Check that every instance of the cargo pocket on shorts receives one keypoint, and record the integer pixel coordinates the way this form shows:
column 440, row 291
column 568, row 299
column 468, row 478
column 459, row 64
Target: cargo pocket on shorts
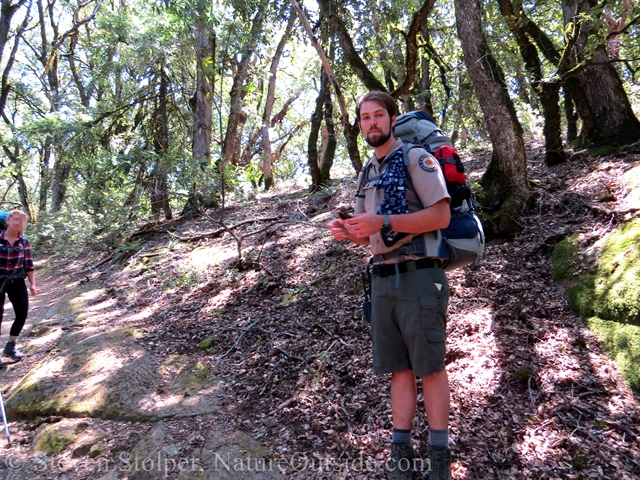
column 433, row 312
column 436, row 348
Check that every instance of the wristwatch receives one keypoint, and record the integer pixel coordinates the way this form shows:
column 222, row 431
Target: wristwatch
column 386, row 224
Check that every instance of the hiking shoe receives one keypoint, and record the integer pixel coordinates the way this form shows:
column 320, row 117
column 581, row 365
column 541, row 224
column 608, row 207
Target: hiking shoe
column 12, row 352
column 402, row 461
column 439, row 463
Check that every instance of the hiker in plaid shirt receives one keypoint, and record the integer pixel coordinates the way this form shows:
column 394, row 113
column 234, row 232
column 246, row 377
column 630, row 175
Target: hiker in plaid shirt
column 16, row 263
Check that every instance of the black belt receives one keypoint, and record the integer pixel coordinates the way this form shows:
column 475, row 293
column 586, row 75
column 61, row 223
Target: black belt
column 387, row 269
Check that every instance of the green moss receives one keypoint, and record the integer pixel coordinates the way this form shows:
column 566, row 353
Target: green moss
column 622, row 342
column 562, row 259
column 522, row 374
column 53, row 440
column 97, row 450
column 201, row 374
column 206, row 344
column 579, row 462
column 607, row 294
column 603, row 151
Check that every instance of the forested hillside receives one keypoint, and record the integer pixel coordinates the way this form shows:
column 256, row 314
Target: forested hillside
column 121, row 112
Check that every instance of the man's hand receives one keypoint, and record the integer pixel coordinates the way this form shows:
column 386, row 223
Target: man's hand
column 34, row 289
column 363, row 225
column 338, row 230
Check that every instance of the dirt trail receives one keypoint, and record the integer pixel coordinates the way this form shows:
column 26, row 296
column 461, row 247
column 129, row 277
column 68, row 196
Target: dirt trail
column 91, row 400
column 41, row 307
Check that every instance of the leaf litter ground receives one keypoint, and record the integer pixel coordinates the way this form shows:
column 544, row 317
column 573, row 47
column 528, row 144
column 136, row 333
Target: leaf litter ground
column 533, row 394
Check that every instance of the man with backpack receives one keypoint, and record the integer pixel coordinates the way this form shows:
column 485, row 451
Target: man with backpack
column 410, row 292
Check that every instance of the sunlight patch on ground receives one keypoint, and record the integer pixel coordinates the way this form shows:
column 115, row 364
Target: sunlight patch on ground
column 142, row 315
column 535, row 443
column 51, row 336
column 49, row 369
column 111, row 302
column 479, row 369
column 89, row 295
column 100, row 316
column 89, row 393
column 207, row 256
column 221, row 299
column 156, row 402
column 562, row 341
column 632, row 178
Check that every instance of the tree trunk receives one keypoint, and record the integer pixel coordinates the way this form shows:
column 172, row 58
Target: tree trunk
column 203, row 104
column 59, row 183
column 571, row 116
column 505, row 181
column 160, row 193
column 607, row 116
column 314, row 130
column 229, row 145
column 268, row 156
column 45, row 174
column 350, row 131
column 329, row 151
column 549, row 96
column 547, row 92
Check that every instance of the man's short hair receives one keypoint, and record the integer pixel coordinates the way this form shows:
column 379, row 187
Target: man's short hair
column 383, row 98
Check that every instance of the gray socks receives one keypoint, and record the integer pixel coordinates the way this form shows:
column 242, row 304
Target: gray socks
column 439, row 439
column 401, row 436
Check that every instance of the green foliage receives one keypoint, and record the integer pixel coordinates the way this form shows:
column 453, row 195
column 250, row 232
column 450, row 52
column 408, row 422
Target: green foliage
column 206, row 344
column 293, row 295
column 603, row 151
column 183, row 278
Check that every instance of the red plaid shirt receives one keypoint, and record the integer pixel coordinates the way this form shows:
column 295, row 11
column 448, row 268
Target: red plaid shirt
column 14, row 257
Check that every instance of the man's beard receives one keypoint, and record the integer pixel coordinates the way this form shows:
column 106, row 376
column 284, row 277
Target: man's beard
column 377, row 141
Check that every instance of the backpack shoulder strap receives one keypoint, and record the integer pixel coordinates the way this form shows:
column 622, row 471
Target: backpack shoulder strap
column 405, row 157
column 364, row 178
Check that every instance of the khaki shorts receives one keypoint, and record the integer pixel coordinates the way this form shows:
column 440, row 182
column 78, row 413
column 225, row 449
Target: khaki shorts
column 409, row 319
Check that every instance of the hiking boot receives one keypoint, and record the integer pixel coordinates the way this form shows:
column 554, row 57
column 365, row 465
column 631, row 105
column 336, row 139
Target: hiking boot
column 12, row 352
column 439, row 463
column 402, row 461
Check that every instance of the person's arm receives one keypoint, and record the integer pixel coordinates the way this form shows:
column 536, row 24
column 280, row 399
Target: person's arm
column 31, row 275
column 30, row 269
column 429, row 219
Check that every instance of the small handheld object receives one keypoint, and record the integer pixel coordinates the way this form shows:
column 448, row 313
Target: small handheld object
column 343, row 213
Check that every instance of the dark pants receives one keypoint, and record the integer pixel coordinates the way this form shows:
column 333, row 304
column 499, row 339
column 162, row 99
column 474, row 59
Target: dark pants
column 19, row 298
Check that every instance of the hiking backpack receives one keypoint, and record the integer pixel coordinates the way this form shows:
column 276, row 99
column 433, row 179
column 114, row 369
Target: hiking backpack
column 463, row 240
column 3, row 220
